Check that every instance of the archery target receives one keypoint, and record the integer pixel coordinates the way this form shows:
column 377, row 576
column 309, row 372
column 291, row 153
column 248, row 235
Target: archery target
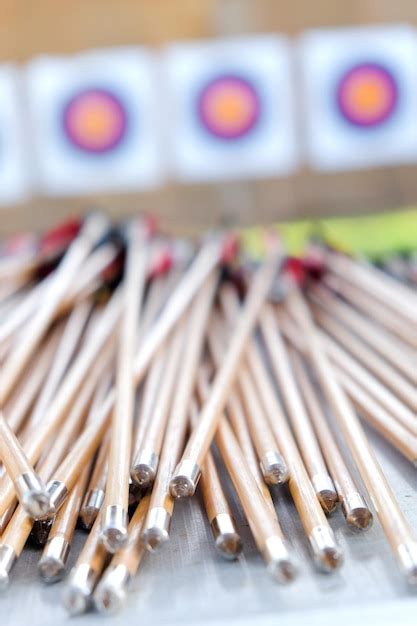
column 360, row 96
column 367, row 95
column 14, row 176
column 95, row 121
column 231, row 109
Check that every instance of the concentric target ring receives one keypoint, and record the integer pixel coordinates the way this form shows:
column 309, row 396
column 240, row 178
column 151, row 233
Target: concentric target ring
column 367, row 95
column 228, row 107
column 95, row 121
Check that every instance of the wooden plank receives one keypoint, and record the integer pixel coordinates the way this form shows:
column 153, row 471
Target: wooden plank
column 27, row 28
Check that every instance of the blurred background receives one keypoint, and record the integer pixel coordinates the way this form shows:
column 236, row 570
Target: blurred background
column 29, row 29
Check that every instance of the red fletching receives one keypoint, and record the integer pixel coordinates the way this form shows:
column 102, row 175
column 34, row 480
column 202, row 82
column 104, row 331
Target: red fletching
column 56, row 240
column 114, row 268
column 311, row 266
column 295, row 267
column 230, row 250
column 314, row 266
column 161, row 263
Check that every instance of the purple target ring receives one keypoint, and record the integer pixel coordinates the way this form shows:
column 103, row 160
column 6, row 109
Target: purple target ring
column 228, row 107
column 367, row 95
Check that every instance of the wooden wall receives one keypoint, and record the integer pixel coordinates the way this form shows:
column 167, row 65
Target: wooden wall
column 29, row 27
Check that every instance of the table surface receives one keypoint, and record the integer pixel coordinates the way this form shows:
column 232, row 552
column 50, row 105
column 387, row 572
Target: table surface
column 188, row 583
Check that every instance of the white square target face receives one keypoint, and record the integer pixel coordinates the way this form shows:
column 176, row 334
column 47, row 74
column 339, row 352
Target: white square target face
column 360, row 96
column 14, row 180
column 230, row 109
column 95, row 121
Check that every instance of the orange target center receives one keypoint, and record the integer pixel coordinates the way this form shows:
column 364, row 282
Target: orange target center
column 93, row 120
column 367, row 95
column 229, row 107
